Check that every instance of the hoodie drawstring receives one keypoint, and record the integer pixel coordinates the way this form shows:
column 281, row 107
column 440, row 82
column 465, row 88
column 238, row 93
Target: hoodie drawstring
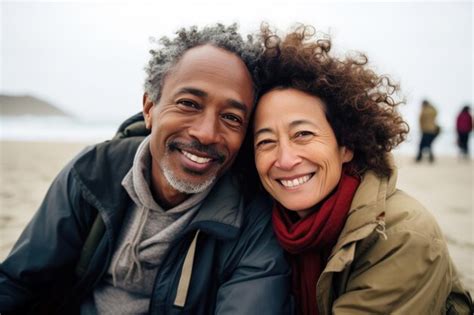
column 186, row 272
column 132, row 245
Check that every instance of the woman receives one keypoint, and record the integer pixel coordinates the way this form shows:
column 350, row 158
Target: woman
column 323, row 131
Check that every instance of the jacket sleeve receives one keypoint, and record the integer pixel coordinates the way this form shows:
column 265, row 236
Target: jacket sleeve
column 408, row 273
column 260, row 282
column 47, row 249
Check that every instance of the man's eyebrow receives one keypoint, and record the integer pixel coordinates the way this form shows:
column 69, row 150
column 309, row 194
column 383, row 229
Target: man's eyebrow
column 262, row 130
column 238, row 105
column 200, row 93
column 193, row 91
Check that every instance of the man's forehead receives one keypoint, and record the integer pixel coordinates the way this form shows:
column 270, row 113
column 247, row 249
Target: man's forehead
column 209, row 68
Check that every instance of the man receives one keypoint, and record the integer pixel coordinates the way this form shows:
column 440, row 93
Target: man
column 177, row 238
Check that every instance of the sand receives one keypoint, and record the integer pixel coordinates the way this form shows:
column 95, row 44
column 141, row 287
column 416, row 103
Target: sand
column 445, row 188
column 27, row 170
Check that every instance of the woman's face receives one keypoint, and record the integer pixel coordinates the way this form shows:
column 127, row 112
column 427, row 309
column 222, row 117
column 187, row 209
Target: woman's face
column 296, row 153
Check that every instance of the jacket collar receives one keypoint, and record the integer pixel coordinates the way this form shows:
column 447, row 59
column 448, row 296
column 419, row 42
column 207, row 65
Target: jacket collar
column 368, row 206
column 221, row 213
column 365, row 216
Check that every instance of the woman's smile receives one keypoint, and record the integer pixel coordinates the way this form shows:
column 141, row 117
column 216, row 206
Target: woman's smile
column 295, row 182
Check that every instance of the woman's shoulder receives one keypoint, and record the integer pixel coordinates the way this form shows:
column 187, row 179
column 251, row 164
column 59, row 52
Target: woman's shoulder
column 407, row 232
column 405, row 215
column 405, row 261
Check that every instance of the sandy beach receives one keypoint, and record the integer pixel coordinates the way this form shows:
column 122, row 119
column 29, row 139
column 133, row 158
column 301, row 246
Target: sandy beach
column 445, row 188
column 27, row 170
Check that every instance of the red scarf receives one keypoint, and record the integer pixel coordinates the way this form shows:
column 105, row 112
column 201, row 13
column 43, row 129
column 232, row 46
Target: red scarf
column 309, row 241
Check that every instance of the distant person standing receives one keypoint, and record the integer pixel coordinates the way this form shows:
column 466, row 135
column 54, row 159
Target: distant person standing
column 464, row 128
column 429, row 130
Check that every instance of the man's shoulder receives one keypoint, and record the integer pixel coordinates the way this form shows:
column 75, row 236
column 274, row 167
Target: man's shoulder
column 260, row 206
column 100, row 169
column 258, row 212
column 112, row 149
column 108, row 156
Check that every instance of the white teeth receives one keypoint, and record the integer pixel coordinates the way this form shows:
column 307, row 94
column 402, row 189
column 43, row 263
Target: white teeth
column 195, row 158
column 295, row 182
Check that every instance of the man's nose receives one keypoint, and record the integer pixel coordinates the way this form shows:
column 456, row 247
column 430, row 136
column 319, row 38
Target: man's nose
column 287, row 157
column 205, row 130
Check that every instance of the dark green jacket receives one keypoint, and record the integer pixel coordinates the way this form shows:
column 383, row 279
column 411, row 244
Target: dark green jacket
column 237, row 267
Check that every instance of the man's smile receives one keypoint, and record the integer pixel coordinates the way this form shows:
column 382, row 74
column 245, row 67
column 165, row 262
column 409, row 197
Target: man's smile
column 197, row 162
column 195, row 158
column 197, row 152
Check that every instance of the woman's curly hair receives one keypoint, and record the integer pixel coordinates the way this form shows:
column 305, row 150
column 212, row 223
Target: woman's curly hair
column 360, row 105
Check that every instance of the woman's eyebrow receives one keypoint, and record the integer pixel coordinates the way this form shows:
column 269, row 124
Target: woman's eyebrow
column 293, row 124
column 263, row 130
column 298, row 122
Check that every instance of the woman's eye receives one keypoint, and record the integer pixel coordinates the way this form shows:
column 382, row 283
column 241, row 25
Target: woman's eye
column 303, row 134
column 188, row 103
column 263, row 142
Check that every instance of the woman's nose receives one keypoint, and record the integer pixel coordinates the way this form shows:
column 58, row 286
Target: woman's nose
column 287, row 157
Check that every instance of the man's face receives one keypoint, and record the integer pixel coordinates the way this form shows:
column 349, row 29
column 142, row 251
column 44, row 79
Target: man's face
column 199, row 122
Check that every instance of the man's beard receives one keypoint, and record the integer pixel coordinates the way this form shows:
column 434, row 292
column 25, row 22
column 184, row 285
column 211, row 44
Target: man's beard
column 182, row 185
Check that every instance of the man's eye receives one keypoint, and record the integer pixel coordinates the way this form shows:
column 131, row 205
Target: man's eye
column 188, row 103
column 234, row 119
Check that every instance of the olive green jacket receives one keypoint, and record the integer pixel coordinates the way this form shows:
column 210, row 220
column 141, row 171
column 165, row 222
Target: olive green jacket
column 391, row 258
column 428, row 119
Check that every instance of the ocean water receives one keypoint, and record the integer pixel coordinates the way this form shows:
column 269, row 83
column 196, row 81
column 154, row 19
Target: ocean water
column 27, row 128
column 64, row 129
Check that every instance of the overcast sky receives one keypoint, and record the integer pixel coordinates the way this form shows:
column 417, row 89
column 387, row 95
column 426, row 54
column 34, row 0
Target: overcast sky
column 88, row 57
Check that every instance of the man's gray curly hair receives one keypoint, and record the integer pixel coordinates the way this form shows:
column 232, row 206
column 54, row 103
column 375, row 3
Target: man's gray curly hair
column 171, row 50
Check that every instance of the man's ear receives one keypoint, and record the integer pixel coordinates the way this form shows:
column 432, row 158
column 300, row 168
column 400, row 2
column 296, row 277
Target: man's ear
column 346, row 154
column 147, row 106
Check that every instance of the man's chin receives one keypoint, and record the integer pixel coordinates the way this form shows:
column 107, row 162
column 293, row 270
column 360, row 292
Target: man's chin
column 189, row 183
column 194, row 175
column 189, row 179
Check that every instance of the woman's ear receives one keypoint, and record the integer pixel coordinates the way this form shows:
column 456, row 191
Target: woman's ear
column 147, row 106
column 346, row 154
